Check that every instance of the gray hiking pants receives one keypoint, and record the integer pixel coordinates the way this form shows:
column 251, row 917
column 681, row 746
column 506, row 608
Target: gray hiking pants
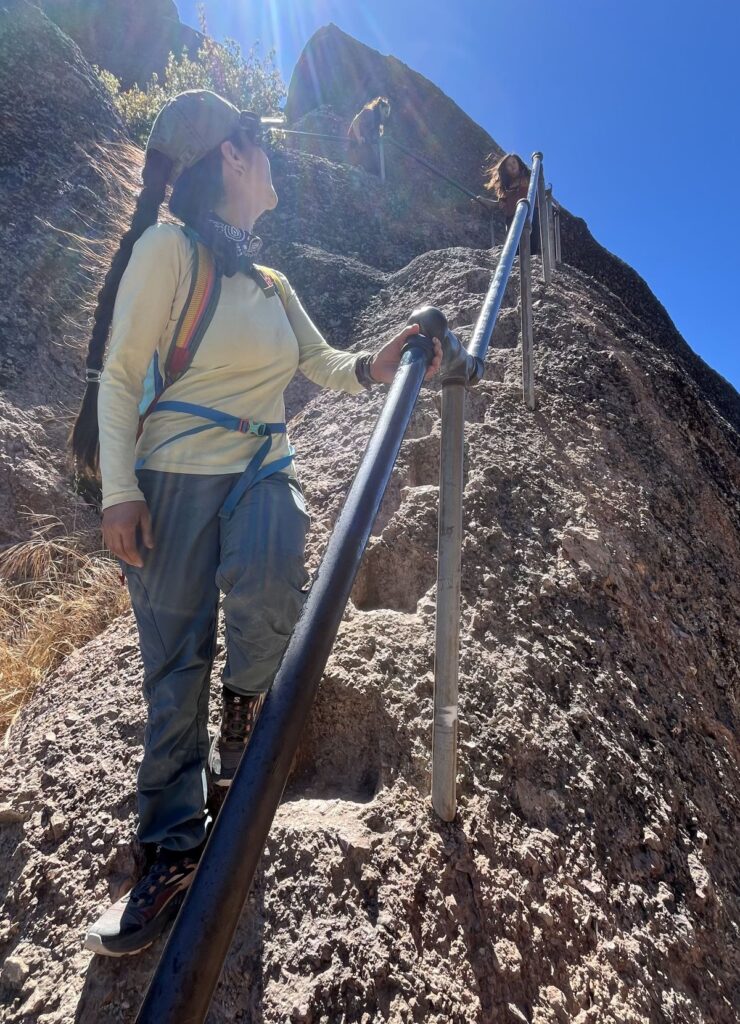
column 256, row 559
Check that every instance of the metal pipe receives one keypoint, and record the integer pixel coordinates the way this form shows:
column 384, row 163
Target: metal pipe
column 447, row 630
column 311, row 135
column 558, row 249
column 551, row 223
column 381, row 157
column 494, row 297
column 183, row 984
column 525, row 291
column 435, row 170
column 534, row 178
column 544, row 228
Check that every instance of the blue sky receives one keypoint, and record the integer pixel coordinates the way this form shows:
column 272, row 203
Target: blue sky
column 634, row 104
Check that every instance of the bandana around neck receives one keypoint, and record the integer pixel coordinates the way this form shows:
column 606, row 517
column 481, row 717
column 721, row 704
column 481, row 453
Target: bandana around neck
column 234, row 249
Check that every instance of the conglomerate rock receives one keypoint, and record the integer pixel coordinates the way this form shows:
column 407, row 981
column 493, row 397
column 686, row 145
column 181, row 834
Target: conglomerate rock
column 591, row 874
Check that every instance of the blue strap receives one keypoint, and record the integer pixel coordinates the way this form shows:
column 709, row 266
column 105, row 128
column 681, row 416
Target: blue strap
column 185, row 433
column 254, row 471
column 217, row 418
column 221, row 419
column 252, row 475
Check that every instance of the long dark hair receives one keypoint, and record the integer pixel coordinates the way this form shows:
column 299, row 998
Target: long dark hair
column 198, row 189
column 500, row 179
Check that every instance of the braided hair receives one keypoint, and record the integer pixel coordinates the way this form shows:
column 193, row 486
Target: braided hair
column 156, row 172
column 197, row 190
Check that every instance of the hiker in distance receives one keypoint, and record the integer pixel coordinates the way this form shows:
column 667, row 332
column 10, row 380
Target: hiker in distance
column 508, row 180
column 200, row 496
column 364, row 132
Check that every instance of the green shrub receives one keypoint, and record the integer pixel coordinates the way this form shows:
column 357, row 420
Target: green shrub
column 248, row 80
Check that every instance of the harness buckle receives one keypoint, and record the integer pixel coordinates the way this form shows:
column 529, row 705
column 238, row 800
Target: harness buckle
column 260, row 429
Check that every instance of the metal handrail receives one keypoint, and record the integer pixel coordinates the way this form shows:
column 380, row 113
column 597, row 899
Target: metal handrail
column 380, row 143
column 311, row 135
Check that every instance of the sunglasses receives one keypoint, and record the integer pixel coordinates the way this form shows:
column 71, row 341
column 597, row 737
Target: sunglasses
column 255, row 127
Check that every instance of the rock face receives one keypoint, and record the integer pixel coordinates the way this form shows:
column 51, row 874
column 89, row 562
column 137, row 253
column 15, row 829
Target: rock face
column 591, row 875
column 337, row 70
column 131, row 38
column 56, row 180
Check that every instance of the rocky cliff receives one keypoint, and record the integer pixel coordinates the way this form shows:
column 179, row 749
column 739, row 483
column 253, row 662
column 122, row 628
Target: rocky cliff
column 131, row 38
column 591, row 875
column 61, row 149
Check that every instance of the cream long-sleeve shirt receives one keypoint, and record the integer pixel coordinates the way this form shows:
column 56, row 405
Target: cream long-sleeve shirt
column 252, row 348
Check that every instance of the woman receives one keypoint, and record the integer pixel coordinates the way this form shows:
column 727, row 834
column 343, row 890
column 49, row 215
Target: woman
column 206, row 500
column 365, row 131
column 509, row 181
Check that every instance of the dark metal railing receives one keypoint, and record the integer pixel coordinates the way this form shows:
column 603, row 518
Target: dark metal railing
column 380, row 144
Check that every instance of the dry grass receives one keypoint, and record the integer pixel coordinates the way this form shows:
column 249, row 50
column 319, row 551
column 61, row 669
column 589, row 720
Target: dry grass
column 56, row 593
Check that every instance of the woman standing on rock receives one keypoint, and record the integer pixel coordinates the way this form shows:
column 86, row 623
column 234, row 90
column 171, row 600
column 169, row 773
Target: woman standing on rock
column 200, row 496
column 364, row 133
column 509, row 181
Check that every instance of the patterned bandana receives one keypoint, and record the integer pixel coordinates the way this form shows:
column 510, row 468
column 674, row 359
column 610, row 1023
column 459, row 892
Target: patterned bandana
column 234, row 248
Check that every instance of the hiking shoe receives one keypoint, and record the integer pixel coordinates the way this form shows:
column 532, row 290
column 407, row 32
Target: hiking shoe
column 238, row 719
column 138, row 918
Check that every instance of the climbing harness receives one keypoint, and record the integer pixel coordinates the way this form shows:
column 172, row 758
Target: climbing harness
column 196, row 315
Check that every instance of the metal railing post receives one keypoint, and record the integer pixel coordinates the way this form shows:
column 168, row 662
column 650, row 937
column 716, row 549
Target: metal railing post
column 493, row 232
column 544, row 228
column 525, row 290
column 558, row 249
column 551, row 222
column 459, row 368
column 381, row 157
column 447, row 628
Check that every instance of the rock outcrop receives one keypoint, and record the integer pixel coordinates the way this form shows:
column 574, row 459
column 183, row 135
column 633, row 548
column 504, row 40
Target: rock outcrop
column 131, row 38
column 591, row 875
column 58, row 153
column 338, row 71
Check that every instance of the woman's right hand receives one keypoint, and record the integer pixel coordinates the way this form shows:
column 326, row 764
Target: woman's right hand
column 120, row 525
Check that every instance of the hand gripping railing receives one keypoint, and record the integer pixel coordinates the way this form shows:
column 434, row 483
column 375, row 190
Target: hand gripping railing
column 182, row 986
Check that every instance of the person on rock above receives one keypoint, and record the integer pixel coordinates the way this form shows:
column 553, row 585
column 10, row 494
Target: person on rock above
column 509, row 181
column 200, row 495
column 364, row 132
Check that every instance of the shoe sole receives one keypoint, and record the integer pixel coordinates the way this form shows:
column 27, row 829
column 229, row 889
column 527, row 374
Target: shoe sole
column 95, row 943
column 140, row 940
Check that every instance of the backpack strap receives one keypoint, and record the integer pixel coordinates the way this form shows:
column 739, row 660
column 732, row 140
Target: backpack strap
column 197, row 313
column 271, row 282
column 195, row 316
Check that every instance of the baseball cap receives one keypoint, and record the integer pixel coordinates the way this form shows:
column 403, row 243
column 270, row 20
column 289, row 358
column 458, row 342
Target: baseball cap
column 194, row 122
